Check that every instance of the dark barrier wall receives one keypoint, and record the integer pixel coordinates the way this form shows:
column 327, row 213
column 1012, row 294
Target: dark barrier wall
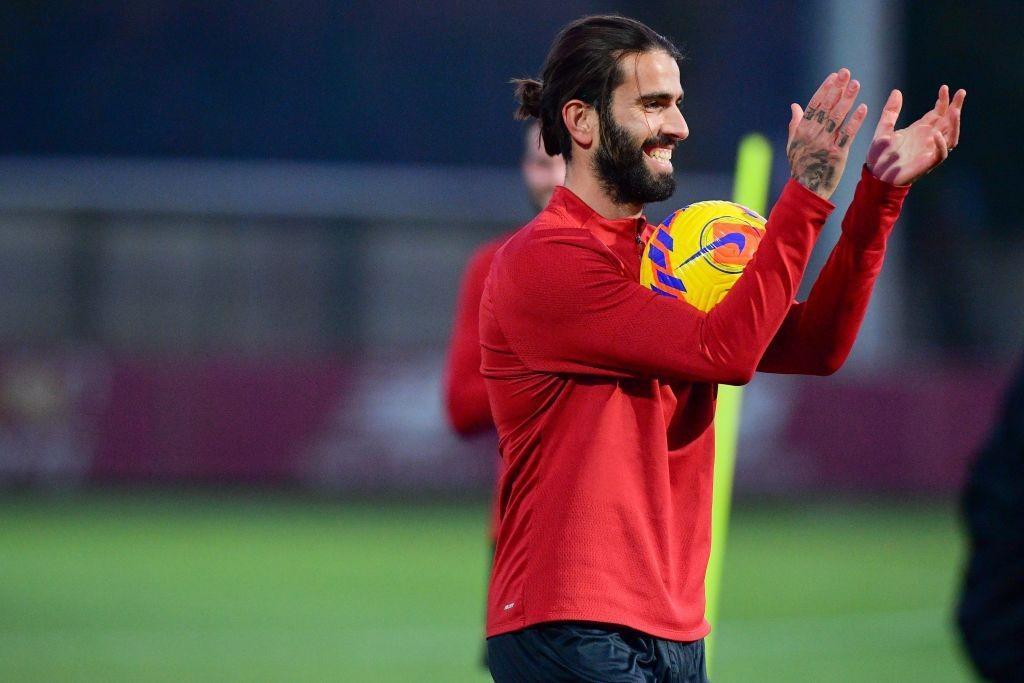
column 326, row 422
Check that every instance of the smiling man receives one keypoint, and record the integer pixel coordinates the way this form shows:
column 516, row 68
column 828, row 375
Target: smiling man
column 603, row 392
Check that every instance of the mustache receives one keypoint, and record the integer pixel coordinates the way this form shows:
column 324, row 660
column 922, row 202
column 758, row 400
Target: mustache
column 660, row 141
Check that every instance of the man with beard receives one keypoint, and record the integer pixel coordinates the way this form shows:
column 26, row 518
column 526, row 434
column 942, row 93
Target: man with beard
column 603, row 392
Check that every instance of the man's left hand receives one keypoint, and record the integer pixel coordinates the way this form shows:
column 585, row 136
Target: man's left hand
column 900, row 157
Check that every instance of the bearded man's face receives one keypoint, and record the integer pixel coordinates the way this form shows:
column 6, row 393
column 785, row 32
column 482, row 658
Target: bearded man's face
column 621, row 165
column 640, row 129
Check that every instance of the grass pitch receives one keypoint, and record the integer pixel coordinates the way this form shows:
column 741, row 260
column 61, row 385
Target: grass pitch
column 232, row 588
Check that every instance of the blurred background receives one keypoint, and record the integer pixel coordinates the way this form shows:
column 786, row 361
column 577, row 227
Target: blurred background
column 231, row 238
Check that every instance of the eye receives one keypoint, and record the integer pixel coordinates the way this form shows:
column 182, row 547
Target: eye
column 652, row 105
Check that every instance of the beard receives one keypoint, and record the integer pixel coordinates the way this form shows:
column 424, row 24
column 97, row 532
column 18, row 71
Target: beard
column 622, row 171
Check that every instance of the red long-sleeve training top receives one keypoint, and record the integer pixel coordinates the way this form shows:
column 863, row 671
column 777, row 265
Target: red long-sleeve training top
column 603, row 394
column 465, row 396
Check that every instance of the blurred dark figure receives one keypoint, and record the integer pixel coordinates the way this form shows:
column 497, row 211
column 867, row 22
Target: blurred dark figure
column 991, row 609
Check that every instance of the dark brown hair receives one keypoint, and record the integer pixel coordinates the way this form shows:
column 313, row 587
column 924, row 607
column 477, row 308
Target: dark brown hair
column 583, row 64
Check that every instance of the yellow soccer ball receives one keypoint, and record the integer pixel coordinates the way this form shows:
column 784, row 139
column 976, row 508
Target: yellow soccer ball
column 699, row 251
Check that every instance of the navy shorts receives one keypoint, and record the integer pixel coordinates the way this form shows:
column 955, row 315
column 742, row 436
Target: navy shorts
column 602, row 653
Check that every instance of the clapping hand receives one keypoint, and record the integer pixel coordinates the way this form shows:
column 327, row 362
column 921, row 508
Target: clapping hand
column 902, row 156
column 819, row 142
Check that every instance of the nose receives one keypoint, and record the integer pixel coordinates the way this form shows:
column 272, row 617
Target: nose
column 675, row 125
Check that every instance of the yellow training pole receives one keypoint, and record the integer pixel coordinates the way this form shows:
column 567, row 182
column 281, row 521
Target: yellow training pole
column 750, row 188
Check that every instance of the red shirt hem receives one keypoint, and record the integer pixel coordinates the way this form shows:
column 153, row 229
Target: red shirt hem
column 617, row 619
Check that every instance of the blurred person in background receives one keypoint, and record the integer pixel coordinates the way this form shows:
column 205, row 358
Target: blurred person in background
column 603, row 392
column 991, row 608
column 466, row 404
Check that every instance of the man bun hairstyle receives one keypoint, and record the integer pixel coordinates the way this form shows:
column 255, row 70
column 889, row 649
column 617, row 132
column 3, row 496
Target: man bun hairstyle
column 528, row 93
column 583, row 64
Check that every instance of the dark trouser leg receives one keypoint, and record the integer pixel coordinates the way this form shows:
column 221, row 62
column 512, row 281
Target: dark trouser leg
column 685, row 659
column 602, row 653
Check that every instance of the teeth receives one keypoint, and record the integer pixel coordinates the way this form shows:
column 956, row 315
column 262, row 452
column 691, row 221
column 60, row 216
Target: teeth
column 663, row 154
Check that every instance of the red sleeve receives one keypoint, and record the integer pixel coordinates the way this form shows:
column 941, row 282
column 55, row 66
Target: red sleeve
column 817, row 335
column 469, row 411
column 565, row 304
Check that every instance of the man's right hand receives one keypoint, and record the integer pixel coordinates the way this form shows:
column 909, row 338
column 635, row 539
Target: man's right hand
column 819, row 142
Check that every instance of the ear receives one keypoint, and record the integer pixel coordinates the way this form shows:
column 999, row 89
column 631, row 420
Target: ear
column 581, row 121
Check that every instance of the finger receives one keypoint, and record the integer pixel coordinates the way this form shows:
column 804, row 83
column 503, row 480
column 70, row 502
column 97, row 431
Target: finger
column 954, row 138
column 890, row 112
column 942, row 104
column 842, row 108
column 816, row 99
column 958, row 99
column 830, row 97
column 956, row 108
column 941, row 145
column 834, row 94
column 796, row 114
column 848, row 132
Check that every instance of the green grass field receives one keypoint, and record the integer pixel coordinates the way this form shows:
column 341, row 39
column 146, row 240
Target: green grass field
column 199, row 587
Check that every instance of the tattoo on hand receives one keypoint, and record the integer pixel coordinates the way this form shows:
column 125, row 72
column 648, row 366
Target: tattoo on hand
column 814, row 169
column 821, row 116
column 843, row 140
column 830, row 126
column 809, row 114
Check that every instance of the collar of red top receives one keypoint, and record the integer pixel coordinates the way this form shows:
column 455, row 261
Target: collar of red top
column 606, row 229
